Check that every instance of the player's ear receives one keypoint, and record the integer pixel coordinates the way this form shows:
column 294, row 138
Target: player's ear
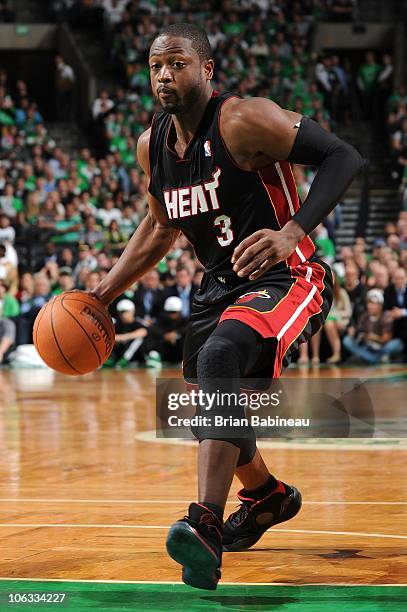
column 208, row 68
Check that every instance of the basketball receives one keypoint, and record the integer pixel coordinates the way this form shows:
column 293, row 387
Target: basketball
column 74, row 333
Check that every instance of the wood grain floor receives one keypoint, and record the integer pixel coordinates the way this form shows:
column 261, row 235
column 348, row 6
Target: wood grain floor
column 83, row 495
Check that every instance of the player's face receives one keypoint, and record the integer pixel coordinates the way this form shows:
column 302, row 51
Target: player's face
column 178, row 77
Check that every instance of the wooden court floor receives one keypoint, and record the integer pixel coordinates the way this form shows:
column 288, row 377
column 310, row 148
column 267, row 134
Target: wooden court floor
column 87, row 493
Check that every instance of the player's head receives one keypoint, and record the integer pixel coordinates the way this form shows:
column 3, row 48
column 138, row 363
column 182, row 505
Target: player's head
column 180, row 67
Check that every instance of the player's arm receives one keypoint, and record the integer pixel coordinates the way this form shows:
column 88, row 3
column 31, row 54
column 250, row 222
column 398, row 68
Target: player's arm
column 258, row 132
column 148, row 245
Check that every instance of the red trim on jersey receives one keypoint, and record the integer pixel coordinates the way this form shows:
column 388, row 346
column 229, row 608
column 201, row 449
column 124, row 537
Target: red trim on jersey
column 273, row 185
column 149, row 159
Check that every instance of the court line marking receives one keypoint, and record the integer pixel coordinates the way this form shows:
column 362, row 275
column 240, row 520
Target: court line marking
column 114, row 526
column 153, row 582
column 151, row 436
column 184, row 501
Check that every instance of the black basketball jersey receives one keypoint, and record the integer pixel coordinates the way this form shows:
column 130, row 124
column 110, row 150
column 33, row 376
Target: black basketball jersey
column 211, row 199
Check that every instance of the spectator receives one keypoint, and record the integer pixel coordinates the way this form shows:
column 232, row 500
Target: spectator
column 385, row 81
column 395, row 302
column 92, row 234
column 372, row 339
column 86, row 261
column 337, row 320
column 130, row 335
column 115, row 240
column 9, row 204
column 48, row 216
column 31, row 307
column 64, row 83
column 322, row 77
column 215, row 34
column 102, row 105
column 8, row 268
column 66, row 258
column 326, row 247
column 92, row 280
column 114, row 10
column 9, row 306
column 380, row 278
column 68, row 229
column 367, row 82
column 166, row 336
column 7, row 337
column 184, row 289
column 109, row 212
column 340, row 90
column 7, row 231
column 399, row 146
column 26, row 288
column 65, row 281
column 9, row 309
column 260, row 47
column 149, row 297
column 355, row 290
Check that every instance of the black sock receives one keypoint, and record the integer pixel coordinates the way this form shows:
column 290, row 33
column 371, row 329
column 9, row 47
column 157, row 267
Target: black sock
column 270, row 484
column 217, row 510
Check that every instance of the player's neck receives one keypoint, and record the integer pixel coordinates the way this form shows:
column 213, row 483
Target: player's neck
column 187, row 123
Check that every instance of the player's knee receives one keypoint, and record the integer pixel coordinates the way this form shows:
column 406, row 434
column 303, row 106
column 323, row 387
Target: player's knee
column 219, row 371
column 218, row 358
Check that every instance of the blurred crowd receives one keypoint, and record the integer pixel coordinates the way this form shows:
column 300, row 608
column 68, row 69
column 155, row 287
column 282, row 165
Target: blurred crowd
column 368, row 318
column 65, row 219
column 397, row 129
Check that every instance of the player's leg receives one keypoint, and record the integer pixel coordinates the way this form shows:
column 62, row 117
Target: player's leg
column 293, row 320
column 266, row 501
column 196, row 541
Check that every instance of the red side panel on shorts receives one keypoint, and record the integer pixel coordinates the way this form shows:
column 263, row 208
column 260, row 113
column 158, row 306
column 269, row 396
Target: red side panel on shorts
column 290, row 315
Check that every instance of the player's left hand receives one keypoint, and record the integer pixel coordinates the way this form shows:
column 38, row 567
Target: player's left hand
column 265, row 248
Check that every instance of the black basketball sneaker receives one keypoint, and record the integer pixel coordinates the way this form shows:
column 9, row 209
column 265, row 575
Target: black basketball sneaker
column 245, row 527
column 195, row 542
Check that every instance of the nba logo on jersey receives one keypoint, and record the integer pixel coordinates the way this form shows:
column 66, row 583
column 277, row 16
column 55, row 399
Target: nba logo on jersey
column 207, row 148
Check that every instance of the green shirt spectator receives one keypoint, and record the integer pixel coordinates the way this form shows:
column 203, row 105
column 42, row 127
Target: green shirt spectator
column 9, row 204
column 368, row 72
column 9, row 306
column 68, row 229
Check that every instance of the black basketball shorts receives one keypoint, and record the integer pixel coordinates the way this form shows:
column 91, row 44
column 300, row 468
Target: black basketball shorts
column 285, row 310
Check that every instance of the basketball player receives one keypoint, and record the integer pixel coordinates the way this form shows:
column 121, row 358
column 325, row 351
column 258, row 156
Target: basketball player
column 220, row 172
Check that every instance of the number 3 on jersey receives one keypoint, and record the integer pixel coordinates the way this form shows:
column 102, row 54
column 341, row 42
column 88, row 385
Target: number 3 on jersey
column 226, row 232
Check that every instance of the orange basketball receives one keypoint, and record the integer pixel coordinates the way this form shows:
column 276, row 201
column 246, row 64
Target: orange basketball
column 74, row 333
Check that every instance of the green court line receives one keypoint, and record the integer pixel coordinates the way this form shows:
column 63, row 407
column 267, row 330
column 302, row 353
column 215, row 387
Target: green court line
column 163, row 597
